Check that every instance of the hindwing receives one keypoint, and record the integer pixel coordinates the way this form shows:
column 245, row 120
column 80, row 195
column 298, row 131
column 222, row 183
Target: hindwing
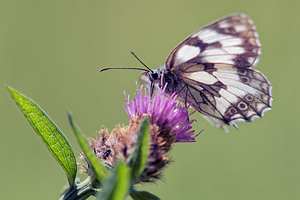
column 226, row 92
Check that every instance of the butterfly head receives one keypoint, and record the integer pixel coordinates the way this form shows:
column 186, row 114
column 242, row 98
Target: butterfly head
column 155, row 75
column 152, row 79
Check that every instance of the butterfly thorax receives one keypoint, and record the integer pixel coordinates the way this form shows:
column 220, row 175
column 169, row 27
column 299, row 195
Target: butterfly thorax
column 163, row 77
column 171, row 81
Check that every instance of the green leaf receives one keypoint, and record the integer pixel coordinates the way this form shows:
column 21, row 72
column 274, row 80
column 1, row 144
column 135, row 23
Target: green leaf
column 98, row 168
column 116, row 186
column 51, row 135
column 138, row 160
column 143, row 195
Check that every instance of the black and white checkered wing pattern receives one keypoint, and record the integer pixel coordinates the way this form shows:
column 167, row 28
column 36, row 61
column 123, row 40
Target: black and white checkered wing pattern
column 213, row 69
column 226, row 92
column 232, row 40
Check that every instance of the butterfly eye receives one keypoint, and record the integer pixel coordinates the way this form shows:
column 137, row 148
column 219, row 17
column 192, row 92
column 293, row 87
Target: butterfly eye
column 154, row 76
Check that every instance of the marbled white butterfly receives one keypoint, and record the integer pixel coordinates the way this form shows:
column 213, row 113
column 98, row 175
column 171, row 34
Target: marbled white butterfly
column 213, row 71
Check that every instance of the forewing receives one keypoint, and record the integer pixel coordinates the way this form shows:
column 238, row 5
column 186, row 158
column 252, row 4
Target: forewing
column 232, row 40
column 226, row 92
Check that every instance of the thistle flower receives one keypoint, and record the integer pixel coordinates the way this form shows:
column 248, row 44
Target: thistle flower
column 164, row 112
column 169, row 123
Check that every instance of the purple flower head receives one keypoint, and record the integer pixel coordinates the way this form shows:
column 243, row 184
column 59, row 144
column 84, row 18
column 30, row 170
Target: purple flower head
column 169, row 123
column 164, row 112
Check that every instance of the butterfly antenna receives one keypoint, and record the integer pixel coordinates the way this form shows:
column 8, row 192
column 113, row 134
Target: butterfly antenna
column 107, row 68
column 147, row 68
column 141, row 62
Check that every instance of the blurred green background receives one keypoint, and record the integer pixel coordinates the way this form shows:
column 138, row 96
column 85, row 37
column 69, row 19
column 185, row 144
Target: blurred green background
column 52, row 51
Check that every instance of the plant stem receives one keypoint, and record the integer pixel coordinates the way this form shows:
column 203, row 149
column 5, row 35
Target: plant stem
column 80, row 191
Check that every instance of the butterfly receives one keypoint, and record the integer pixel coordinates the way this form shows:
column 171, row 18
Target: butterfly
column 212, row 70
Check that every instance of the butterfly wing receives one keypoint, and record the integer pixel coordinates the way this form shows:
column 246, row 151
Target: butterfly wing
column 226, row 93
column 215, row 66
column 213, row 69
column 232, row 40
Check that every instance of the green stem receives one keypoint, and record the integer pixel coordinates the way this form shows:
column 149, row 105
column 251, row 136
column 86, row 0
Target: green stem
column 81, row 191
